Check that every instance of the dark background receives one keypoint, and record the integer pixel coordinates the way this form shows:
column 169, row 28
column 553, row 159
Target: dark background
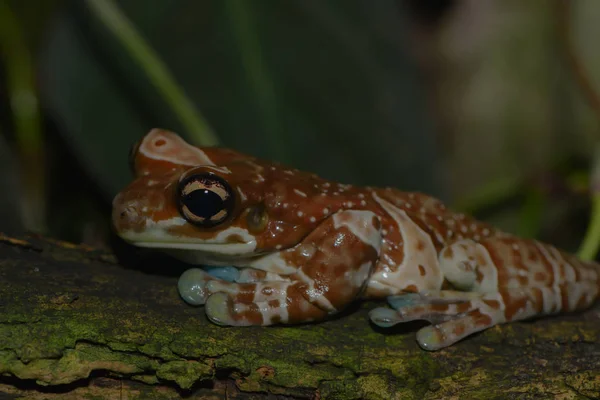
column 476, row 102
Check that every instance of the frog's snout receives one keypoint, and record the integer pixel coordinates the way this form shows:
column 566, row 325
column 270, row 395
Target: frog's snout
column 127, row 215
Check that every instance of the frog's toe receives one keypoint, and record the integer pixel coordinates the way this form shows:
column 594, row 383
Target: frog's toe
column 434, row 307
column 438, row 336
column 221, row 310
column 192, row 286
column 384, row 317
column 227, row 273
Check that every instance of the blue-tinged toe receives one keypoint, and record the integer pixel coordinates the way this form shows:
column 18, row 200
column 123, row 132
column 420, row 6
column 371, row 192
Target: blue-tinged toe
column 384, row 317
column 404, row 300
column 229, row 274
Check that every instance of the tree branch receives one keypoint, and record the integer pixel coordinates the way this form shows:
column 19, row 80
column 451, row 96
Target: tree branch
column 73, row 321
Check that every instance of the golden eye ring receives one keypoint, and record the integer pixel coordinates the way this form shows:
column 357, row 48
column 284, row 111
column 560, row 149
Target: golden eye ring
column 205, row 200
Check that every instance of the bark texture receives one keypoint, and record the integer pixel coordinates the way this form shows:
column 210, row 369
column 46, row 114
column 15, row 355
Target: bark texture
column 76, row 324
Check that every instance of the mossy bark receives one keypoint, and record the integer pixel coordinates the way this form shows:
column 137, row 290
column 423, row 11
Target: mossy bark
column 75, row 324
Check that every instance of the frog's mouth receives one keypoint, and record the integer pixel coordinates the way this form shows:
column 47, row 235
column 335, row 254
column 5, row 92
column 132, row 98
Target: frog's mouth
column 225, row 247
column 205, row 247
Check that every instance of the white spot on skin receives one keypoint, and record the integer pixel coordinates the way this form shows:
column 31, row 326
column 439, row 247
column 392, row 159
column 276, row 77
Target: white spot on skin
column 174, row 149
column 362, row 274
column 313, row 219
column 486, row 232
column 326, row 211
column 360, row 223
column 361, row 196
column 287, row 171
column 285, row 205
column 299, row 193
column 363, row 203
column 406, row 273
column 242, row 195
column 316, row 296
column 274, row 263
column 300, row 213
column 156, row 235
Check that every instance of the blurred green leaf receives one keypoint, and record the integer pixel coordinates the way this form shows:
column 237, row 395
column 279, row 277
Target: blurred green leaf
column 347, row 100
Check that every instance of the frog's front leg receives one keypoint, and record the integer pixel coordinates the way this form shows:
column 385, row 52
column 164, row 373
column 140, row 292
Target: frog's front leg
column 326, row 272
column 503, row 279
column 193, row 284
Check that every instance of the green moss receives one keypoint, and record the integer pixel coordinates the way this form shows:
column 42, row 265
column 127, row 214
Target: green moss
column 106, row 318
column 184, row 373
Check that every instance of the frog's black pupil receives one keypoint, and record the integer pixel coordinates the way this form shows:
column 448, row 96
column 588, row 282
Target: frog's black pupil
column 203, row 203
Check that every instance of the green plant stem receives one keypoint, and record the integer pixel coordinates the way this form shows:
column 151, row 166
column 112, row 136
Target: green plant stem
column 244, row 29
column 26, row 117
column 492, row 193
column 196, row 126
column 531, row 213
column 591, row 242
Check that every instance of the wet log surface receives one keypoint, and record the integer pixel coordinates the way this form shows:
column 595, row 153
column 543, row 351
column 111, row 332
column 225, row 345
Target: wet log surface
column 76, row 323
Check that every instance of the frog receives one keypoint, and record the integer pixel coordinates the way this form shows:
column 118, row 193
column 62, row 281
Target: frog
column 286, row 247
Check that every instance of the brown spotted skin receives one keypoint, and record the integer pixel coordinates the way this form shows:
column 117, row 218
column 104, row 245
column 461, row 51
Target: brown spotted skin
column 319, row 245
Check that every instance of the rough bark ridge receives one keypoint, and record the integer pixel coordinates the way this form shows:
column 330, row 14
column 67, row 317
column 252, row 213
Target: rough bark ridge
column 73, row 323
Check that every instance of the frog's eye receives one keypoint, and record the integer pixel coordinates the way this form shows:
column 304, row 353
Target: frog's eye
column 205, row 200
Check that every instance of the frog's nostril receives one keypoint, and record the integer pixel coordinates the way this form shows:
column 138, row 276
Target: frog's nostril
column 129, row 213
column 126, row 215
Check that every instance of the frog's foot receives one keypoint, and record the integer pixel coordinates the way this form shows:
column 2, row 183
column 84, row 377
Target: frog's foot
column 259, row 303
column 192, row 283
column 453, row 315
column 192, row 286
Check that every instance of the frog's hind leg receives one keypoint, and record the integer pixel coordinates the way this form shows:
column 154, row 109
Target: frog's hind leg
column 453, row 315
column 504, row 279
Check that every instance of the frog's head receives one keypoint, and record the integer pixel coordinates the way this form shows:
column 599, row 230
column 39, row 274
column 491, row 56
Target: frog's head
column 212, row 204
